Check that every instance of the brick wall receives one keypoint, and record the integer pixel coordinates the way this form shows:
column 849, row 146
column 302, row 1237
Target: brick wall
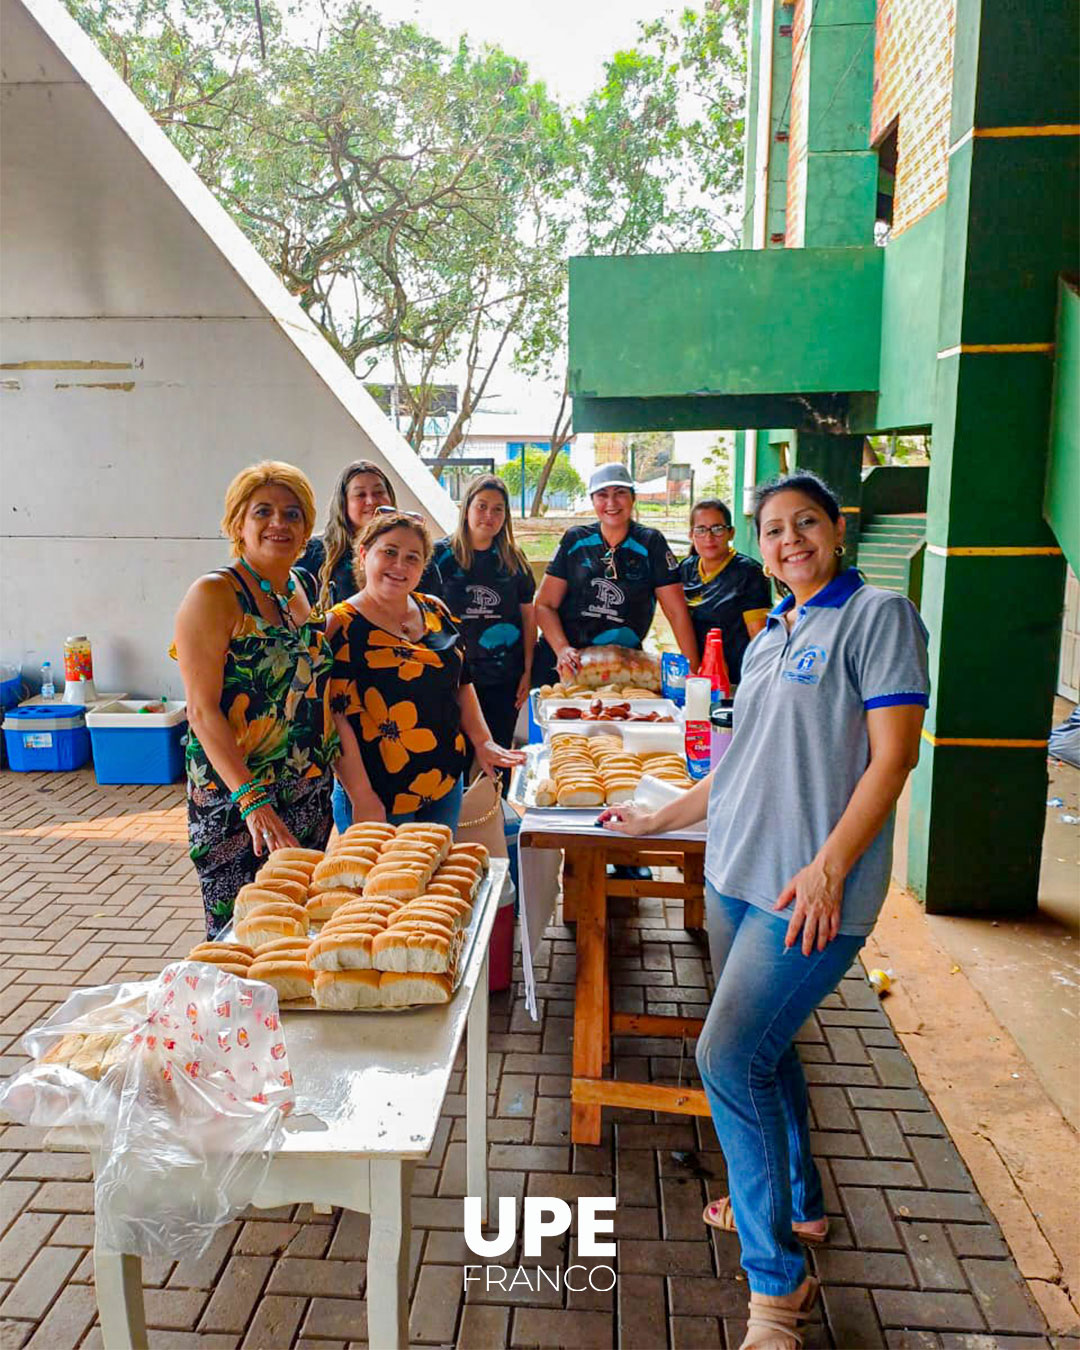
column 913, row 58
column 795, row 224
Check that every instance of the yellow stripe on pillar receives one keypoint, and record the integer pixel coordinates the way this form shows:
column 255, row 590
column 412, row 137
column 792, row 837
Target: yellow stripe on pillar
column 983, row 742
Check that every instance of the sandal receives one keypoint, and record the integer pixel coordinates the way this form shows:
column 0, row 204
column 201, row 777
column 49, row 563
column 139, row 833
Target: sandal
column 775, row 1325
column 719, row 1214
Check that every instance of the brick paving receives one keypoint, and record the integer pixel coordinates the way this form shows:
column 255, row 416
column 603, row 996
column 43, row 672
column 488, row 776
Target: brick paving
column 95, row 886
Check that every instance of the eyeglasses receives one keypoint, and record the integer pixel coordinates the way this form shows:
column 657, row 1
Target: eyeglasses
column 397, row 511
column 608, row 560
column 700, row 531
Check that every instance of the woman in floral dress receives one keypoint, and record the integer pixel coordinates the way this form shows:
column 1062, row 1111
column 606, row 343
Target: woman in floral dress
column 401, row 691
column 256, row 675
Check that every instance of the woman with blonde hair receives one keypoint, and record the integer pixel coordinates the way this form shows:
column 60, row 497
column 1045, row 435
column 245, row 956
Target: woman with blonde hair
column 256, row 674
column 488, row 586
column 401, row 687
column 328, row 561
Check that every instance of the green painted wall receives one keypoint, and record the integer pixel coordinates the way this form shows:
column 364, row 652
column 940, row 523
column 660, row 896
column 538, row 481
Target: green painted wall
column 1062, row 499
column 725, row 323
column 894, row 489
column 909, row 325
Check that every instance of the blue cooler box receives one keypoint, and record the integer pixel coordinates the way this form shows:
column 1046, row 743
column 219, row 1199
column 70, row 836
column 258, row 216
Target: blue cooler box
column 51, row 738
column 131, row 746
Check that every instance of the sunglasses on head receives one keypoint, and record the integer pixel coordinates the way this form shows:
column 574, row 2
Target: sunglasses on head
column 397, row 511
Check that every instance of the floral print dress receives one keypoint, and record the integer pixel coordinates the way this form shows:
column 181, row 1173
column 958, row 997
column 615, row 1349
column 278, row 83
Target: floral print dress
column 401, row 701
column 275, row 695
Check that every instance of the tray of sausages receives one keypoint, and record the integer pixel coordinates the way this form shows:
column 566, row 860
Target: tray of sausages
column 382, row 921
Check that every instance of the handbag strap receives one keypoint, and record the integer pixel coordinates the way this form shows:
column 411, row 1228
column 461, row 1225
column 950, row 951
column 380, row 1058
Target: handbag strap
column 488, row 815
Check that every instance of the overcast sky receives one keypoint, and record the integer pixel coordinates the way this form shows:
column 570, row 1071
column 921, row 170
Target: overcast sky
column 565, row 42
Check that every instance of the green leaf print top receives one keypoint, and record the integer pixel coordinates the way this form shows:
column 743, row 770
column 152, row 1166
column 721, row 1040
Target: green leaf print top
column 275, row 695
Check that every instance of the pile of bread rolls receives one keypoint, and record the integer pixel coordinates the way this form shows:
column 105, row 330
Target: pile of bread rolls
column 392, row 902
column 598, row 771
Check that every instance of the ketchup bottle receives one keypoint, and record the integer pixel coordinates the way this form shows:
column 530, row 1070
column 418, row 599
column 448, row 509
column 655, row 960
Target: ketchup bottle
column 714, row 667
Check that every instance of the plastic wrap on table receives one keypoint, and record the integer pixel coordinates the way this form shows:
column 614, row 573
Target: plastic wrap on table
column 189, row 1112
column 621, row 666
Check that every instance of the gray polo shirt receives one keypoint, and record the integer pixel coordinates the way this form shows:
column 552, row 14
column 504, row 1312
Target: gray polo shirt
column 800, row 742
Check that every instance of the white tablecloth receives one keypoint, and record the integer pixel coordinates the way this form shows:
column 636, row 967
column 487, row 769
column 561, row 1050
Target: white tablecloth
column 538, row 877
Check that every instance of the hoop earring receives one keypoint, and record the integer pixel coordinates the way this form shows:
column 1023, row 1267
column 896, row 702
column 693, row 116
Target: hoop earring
column 766, row 571
column 839, row 551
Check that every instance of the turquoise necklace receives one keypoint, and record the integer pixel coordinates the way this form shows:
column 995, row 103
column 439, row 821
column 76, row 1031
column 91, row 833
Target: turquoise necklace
column 282, row 600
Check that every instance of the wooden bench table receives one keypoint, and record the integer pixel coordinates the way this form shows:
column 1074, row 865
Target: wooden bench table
column 586, row 888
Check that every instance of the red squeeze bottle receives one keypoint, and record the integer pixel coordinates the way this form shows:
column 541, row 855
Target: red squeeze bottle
column 714, row 667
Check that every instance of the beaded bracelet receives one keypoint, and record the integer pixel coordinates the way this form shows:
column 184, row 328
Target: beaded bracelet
column 254, row 806
column 244, row 789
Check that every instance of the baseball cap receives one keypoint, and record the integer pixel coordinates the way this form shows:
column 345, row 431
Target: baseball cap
column 611, row 475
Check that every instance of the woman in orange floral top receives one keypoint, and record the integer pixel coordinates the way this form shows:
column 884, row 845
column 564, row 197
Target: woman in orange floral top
column 400, row 690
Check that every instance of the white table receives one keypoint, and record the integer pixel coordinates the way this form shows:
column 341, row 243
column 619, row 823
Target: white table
column 369, row 1093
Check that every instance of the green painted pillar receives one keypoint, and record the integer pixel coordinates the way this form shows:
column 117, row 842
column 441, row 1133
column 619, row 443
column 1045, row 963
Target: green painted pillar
column 841, row 169
column 838, row 460
column 993, row 583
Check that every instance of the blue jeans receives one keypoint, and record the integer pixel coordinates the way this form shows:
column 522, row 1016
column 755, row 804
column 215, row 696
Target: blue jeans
column 755, row 1083
column 443, row 812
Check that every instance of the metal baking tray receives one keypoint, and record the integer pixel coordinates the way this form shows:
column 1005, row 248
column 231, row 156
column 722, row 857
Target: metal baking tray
column 479, row 903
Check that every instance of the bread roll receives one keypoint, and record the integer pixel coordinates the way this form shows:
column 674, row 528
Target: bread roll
column 616, row 793
column 432, row 912
column 89, row 1055
column 296, row 891
column 341, row 951
column 403, row 950
column 427, row 854
column 465, row 863
column 283, row 947
column 323, row 905
column 259, row 928
column 458, row 886
column 546, row 792
column 447, row 873
column 344, row 871
column 291, row 979
column 282, row 872
column 440, row 842
column 399, row 990
column 396, row 882
column 279, row 907
column 297, row 855
column 454, row 903
column 382, row 827
column 346, row 990
column 580, row 794
column 237, row 948
column 477, row 851
column 247, row 897
column 426, row 827
column 223, row 958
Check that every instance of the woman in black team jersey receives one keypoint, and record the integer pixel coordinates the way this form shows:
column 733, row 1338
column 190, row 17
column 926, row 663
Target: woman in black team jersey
column 724, row 589
column 603, row 584
column 488, row 586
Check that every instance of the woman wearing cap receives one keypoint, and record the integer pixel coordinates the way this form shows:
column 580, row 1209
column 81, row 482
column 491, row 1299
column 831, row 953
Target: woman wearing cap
column 800, row 821
column 488, row 585
column 329, row 561
column 724, row 589
column 401, row 688
column 256, row 674
column 604, row 581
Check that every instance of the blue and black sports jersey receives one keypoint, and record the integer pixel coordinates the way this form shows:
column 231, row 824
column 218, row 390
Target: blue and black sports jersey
column 486, row 601
column 600, row 607
column 736, row 594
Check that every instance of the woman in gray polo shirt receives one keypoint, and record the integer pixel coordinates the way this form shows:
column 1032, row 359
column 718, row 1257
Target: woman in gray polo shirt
column 828, row 716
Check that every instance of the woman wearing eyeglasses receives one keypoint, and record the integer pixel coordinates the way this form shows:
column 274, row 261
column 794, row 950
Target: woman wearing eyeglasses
column 724, row 589
column 401, row 688
column 603, row 584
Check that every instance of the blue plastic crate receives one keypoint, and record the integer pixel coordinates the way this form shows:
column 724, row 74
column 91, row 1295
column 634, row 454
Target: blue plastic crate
column 49, row 739
column 133, row 746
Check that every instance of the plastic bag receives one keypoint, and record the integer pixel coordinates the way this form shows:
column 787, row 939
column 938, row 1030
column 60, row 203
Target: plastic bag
column 188, row 1114
column 619, row 666
column 1065, row 739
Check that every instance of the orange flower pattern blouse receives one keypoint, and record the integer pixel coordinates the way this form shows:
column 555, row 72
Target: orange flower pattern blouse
column 401, row 701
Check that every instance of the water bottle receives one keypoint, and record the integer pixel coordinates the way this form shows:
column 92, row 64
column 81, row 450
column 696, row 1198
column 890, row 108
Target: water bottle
column 48, row 689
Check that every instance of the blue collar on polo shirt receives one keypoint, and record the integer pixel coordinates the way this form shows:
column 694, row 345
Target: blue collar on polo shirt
column 833, row 596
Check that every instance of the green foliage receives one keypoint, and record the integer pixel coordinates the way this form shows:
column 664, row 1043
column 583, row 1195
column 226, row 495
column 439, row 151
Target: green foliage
column 716, row 478
column 421, row 201
column 564, row 477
